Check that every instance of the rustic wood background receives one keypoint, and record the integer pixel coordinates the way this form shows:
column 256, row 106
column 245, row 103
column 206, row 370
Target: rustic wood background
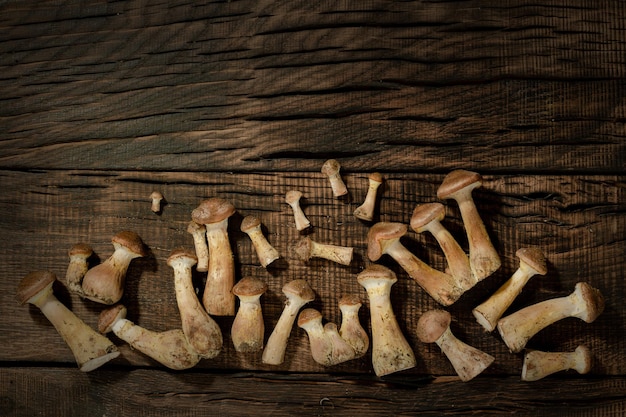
column 102, row 102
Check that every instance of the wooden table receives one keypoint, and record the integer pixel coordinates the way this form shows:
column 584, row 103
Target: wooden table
column 103, row 102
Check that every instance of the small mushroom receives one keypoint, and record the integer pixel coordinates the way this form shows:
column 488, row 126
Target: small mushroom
column 516, row 329
column 298, row 293
column 306, row 248
column 384, row 238
column 351, row 330
column 538, row 364
column 458, row 185
column 390, row 350
column 328, row 348
column 170, row 348
column 531, row 262
column 467, row 361
column 248, row 329
column 157, row 199
column 366, row 210
column 91, row 350
column 201, row 330
column 331, row 170
column 77, row 267
column 428, row 217
column 217, row 298
column 251, row 225
column 104, row 283
column 292, row 198
column 198, row 232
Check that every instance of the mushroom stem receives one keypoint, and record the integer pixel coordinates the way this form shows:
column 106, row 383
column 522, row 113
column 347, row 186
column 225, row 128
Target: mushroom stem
column 156, row 198
column 585, row 303
column 331, row 170
column 310, row 320
column 266, row 253
column 198, row 232
column 248, row 328
column 77, row 267
column 351, row 330
column 292, row 198
column 217, row 297
column 90, row 349
column 538, row 364
column 306, row 248
column 366, row 210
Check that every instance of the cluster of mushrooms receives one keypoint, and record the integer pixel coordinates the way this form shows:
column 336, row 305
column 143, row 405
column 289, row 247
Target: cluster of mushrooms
column 200, row 336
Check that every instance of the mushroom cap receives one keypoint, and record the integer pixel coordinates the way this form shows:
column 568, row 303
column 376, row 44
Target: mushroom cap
column 382, row 231
column 457, row 180
column 156, row 195
column 109, row 316
column 33, row 284
column 293, row 196
column 331, row 167
column 350, row 300
column 80, row 249
column 585, row 359
column 131, row 241
column 426, row 213
column 184, row 255
column 376, row 273
column 193, row 227
column 309, row 315
column 303, row 248
column 432, row 324
column 299, row 288
column 250, row 222
column 249, row 286
column 534, row 258
column 376, row 177
column 593, row 299
column 212, row 210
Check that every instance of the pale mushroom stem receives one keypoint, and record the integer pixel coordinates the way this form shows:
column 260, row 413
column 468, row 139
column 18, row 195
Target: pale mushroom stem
column 264, row 250
column 218, row 298
column 467, row 361
column 248, row 328
column 366, row 210
column 538, row 364
column 458, row 262
column 340, row 254
column 274, row 352
column 198, row 232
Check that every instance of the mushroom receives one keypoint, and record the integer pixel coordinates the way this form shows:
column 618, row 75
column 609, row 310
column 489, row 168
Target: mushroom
column 77, row 267
column 104, row 283
column 293, row 199
column 458, row 185
column 217, row 298
column 201, row 330
column 585, row 303
column 91, row 350
column 531, row 262
column 428, row 217
column 198, row 232
column 170, row 348
column 331, row 170
column 298, row 293
column 341, row 351
column 351, row 330
column 248, row 329
column 538, row 364
column 306, row 248
column 467, row 361
column 390, row 350
column 384, row 238
column 327, row 346
column 251, row 225
column 366, row 210
column 156, row 198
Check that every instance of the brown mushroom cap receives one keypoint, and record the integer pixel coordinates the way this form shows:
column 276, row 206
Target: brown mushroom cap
column 330, row 167
column 250, row 222
column 212, row 210
column 183, row 254
column 534, row 258
column 303, row 248
column 156, row 195
column 193, row 227
column 586, row 359
column 426, row 213
column 131, row 241
column 80, row 249
column 457, row 180
column 293, row 196
column 432, row 324
column 376, row 272
column 109, row 316
column 376, row 177
column 309, row 315
column 33, row 284
column 249, row 286
column 350, row 300
column 593, row 299
column 382, row 231
column 299, row 288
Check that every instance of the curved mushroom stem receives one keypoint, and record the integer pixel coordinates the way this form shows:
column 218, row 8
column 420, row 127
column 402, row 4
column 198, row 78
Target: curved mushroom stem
column 264, row 250
column 306, row 248
column 292, row 198
column 366, row 210
column 218, row 298
column 538, row 364
column 351, row 330
column 198, row 232
column 77, row 267
column 585, row 303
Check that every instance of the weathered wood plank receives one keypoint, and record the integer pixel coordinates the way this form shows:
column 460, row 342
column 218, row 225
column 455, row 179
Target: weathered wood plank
column 579, row 222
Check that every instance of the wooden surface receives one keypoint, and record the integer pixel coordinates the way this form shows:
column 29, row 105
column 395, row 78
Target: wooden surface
column 100, row 103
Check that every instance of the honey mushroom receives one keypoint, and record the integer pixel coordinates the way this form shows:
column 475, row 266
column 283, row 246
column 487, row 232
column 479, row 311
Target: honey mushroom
column 306, row 248
column 292, row 198
column 201, row 330
column 458, row 185
column 198, row 233
column 331, row 169
column 516, row 329
column 366, row 210
column 538, row 364
column 77, row 267
column 217, row 298
column 390, row 350
column 248, row 329
column 104, row 283
column 157, row 198
column 468, row 362
column 531, row 262
column 384, row 238
column 427, row 218
column 351, row 329
column 170, row 348
column 251, row 225
column 90, row 349
column 298, row 293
